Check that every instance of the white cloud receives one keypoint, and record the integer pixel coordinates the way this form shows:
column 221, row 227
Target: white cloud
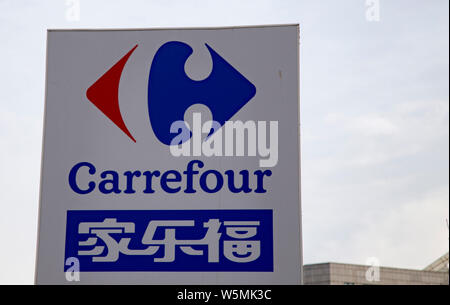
column 403, row 130
column 384, row 191
column 416, row 226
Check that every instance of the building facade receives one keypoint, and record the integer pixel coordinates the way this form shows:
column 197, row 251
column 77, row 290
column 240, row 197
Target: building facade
column 348, row 274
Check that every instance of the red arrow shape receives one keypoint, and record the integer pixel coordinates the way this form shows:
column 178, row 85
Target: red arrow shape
column 104, row 93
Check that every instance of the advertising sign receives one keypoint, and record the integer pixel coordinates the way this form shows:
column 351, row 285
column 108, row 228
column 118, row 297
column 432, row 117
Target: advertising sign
column 171, row 156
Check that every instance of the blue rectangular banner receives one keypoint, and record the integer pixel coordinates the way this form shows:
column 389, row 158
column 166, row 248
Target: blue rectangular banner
column 170, row 240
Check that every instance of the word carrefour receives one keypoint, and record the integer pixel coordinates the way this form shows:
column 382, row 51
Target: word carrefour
column 170, row 181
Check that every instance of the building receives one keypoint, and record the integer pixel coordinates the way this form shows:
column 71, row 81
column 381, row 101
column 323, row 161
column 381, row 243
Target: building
column 441, row 264
column 347, row 274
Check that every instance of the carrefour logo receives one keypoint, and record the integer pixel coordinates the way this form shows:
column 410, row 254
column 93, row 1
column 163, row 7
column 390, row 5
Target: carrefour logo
column 170, row 93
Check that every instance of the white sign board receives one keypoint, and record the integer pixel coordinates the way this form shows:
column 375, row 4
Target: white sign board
column 171, row 156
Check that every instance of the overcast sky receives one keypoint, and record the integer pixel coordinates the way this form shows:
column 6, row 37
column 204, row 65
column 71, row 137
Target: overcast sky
column 374, row 115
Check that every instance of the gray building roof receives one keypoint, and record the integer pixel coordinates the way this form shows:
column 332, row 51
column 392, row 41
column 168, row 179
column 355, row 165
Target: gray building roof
column 441, row 264
column 349, row 274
